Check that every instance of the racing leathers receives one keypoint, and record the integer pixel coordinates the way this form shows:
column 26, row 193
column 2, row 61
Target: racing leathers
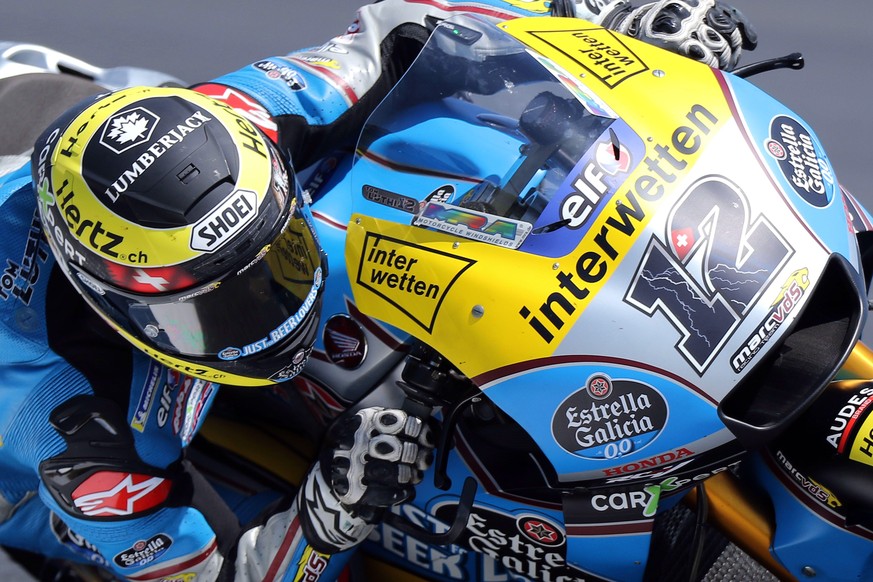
column 92, row 433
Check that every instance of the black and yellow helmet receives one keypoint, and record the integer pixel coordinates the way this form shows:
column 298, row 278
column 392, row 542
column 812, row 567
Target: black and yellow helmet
column 181, row 225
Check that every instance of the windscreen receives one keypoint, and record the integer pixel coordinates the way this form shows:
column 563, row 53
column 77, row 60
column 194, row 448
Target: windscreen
column 483, row 131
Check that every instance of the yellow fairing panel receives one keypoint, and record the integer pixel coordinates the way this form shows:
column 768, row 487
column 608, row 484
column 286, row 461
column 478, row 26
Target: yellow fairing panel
column 486, row 307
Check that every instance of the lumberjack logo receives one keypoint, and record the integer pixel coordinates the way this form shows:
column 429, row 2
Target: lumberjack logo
column 121, row 133
column 617, row 422
column 128, row 129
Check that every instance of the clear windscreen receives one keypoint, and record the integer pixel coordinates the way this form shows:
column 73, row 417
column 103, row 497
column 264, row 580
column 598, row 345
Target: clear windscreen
column 482, row 127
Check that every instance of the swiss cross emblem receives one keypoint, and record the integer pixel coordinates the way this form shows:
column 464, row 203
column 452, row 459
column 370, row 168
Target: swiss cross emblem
column 149, row 281
column 112, row 494
column 683, row 241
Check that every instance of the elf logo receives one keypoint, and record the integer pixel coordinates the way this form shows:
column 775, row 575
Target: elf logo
column 220, row 225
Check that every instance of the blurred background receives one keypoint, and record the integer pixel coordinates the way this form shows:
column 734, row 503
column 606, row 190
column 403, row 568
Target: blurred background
column 196, row 40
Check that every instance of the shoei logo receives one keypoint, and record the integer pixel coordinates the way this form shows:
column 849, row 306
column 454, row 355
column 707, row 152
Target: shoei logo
column 220, row 225
column 129, row 129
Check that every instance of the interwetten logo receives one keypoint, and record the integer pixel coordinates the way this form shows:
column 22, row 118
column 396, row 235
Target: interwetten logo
column 599, row 51
column 413, row 278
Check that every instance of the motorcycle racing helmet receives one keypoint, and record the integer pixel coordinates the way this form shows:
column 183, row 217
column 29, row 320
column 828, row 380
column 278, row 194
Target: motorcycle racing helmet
column 181, row 225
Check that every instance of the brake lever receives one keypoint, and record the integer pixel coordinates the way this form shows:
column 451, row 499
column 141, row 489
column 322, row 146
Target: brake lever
column 792, row 61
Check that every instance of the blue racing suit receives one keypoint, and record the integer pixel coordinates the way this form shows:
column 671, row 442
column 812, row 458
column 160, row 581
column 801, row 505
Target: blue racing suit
column 92, row 433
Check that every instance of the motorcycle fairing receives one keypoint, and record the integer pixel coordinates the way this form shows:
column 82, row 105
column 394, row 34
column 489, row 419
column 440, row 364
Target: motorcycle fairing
column 526, row 327
column 680, row 274
column 817, row 537
column 796, row 159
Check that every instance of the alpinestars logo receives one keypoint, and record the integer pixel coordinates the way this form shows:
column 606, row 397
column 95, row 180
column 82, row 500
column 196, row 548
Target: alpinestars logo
column 111, row 494
column 129, row 129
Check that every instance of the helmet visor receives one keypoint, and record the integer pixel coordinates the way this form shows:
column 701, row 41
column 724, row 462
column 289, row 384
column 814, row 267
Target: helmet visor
column 253, row 309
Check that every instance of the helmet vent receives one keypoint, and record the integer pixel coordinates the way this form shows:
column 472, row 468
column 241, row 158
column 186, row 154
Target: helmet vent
column 241, row 248
column 188, row 173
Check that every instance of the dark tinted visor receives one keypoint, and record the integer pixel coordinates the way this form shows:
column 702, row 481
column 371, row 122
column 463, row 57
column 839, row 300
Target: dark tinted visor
column 253, row 309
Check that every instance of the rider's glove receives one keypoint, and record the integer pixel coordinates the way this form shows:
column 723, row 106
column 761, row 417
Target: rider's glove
column 709, row 31
column 378, row 456
column 371, row 460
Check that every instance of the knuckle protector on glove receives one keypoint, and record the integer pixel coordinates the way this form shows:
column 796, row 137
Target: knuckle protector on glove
column 377, row 455
column 386, row 447
column 389, row 421
column 706, row 30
